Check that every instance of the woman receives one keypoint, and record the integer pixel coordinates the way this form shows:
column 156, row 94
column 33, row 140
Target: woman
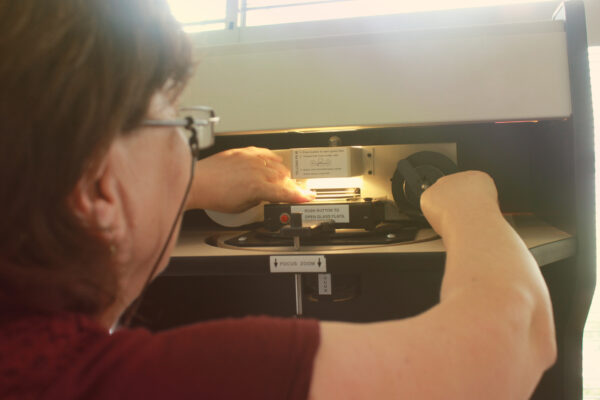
column 91, row 188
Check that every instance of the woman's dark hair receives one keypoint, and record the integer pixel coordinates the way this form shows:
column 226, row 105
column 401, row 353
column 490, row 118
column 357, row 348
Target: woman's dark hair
column 74, row 74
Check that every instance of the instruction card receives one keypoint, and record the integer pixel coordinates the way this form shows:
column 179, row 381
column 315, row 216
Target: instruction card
column 318, row 213
column 324, row 284
column 320, row 162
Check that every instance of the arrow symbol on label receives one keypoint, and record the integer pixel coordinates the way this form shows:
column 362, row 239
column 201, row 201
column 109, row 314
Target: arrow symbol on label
column 275, row 263
column 319, row 262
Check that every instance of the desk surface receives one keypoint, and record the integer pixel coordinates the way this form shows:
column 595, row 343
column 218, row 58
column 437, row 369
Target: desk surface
column 547, row 244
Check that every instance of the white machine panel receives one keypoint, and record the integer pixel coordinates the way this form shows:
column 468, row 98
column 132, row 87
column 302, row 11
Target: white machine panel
column 489, row 73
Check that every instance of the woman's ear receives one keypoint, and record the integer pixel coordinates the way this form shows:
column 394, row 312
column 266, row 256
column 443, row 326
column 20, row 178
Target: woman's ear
column 98, row 201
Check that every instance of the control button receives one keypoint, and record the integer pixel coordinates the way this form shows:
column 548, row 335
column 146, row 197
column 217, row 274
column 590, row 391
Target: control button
column 284, row 218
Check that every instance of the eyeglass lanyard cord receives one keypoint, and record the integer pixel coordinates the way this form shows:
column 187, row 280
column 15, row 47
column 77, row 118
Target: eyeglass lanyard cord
column 132, row 310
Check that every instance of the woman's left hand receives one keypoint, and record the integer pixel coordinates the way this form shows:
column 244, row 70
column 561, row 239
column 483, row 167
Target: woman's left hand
column 235, row 180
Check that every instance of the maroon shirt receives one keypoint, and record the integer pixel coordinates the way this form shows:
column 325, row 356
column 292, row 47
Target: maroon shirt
column 68, row 356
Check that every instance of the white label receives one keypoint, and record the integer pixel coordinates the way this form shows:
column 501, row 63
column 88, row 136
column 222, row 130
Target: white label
column 320, row 163
column 315, row 213
column 324, row 284
column 304, row 263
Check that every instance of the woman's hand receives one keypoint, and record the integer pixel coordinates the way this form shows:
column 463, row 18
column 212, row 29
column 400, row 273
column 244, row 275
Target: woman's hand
column 235, row 180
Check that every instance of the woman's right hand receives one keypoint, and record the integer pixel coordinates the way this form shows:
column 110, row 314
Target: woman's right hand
column 235, row 180
column 458, row 199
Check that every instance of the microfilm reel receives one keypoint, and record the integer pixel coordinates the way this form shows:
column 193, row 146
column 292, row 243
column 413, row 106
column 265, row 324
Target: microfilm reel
column 416, row 173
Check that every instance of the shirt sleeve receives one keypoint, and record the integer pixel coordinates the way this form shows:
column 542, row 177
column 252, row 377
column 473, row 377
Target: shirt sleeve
column 250, row 358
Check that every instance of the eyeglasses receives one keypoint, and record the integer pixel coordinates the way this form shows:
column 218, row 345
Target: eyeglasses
column 200, row 131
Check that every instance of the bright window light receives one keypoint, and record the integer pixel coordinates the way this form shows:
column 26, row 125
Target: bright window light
column 267, row 12
column 199, row 15
column 591, row 335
